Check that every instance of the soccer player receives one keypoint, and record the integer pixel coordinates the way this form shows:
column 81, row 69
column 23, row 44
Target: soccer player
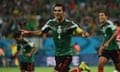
column 109, row 48
column 62, row 31
column 27, row 49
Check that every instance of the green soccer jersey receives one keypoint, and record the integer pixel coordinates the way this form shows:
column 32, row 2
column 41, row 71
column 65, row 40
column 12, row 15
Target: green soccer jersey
column 62, row 35
column 25, row 46
column 107, row 30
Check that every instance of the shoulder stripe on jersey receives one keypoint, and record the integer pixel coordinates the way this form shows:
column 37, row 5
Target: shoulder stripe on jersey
column 73, row 26
column 112, row 26
column 46, row 25
column 67, row 20
column 29, row 42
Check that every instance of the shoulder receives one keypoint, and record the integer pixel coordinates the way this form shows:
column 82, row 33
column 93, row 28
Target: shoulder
column 50, row 20
column 29, row 42
column 69, row 21
column 111, row 25
column 110, row 22
column 25, row 40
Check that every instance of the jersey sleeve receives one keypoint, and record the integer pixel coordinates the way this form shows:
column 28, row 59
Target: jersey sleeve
column 46, row 27
column 31, row 44
column 112, row 26
column 77, row 28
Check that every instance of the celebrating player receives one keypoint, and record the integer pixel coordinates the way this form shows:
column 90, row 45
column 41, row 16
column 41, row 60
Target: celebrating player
column 109, row 48
column 62, row 30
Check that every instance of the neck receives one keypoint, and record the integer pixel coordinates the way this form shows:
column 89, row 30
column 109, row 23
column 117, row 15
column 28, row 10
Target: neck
column 104, row 21
column 60, row 20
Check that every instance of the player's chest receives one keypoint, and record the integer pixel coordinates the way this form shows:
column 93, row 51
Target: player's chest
column 60, row 28
column 24, row 46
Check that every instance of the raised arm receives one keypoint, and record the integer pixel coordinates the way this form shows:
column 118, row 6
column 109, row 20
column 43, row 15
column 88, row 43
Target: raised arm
column 37, row 32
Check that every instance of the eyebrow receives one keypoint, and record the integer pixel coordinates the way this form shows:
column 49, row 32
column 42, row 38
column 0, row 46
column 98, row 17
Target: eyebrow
column 100, row 15
column 57, row 10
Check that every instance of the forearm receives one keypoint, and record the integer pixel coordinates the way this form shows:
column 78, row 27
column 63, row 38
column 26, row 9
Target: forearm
column 112, row 37
column 32, row 51
column 35, row 32
column 38, row 32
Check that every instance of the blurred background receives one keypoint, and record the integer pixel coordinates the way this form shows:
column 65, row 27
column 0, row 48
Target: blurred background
column 32, row 15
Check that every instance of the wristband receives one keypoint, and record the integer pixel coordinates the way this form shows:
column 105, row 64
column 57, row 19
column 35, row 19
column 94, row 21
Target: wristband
column 30, row 33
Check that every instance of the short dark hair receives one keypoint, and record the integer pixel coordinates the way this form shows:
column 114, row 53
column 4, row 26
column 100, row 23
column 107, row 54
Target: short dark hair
column 60, row 5
column 17, row 34
column 103, row 11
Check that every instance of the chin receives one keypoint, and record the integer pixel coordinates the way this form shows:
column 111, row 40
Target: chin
column 58, row 18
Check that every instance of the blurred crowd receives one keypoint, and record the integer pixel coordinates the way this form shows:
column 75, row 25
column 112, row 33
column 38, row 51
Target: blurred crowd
column 32, row 14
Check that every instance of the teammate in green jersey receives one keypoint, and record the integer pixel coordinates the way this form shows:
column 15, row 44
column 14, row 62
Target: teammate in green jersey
column 62, row 31
column 109, row 48
column 26, row 57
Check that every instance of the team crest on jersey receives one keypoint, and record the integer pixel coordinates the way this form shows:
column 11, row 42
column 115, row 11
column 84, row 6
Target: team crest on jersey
column 59, row 31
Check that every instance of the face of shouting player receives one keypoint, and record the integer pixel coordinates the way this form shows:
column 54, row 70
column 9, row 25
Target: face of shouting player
column 59, row 13
column 102, row 17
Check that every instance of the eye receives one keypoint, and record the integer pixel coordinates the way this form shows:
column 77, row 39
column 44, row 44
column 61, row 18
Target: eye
column 57, row 10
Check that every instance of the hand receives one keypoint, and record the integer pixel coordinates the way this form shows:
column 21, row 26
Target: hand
column 100, row 50
column 28, row 54
column 85, row 34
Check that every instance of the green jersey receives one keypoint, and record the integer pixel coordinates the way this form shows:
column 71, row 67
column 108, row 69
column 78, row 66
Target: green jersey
column 107, row 30
column 62, row 35
column 25, row 46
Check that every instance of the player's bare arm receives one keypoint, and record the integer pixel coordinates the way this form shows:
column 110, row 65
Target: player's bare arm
column 106, row 44
column 37, row 32
column 31, row 52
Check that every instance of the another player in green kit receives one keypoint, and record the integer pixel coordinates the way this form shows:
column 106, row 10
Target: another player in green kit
column 27, row 48
column 62, row 31
column 109, row 48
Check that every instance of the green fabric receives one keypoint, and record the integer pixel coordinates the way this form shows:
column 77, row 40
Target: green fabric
column 25, row 47
column 107, row 30
column 62, row 35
